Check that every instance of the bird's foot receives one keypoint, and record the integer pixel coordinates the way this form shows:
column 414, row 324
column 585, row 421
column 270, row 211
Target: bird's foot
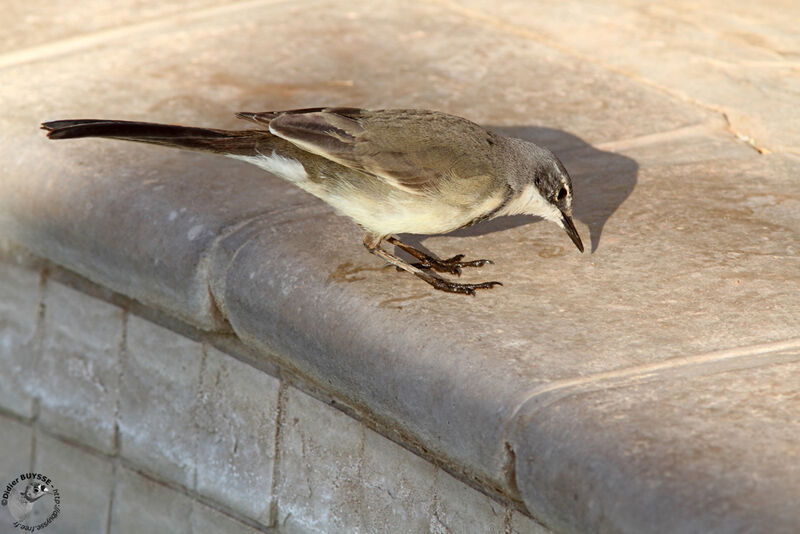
column 453, row 287
column 426, row 264
column 451, row 265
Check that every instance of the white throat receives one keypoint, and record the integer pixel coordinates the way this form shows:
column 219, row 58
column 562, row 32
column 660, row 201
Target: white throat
column 530, row 202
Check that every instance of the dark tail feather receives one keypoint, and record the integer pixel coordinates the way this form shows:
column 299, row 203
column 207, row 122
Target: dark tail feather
column 205, row 139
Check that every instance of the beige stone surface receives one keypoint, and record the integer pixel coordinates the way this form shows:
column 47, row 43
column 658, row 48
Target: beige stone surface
column 740, row 58
column 58, row 24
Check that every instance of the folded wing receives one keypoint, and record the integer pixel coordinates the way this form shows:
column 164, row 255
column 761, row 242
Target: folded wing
column 412, row 150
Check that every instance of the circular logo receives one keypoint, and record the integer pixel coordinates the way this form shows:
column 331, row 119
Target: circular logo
column 32, row 501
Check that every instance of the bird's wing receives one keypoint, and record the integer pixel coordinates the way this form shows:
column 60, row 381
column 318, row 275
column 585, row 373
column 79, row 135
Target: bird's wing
column 409, row 149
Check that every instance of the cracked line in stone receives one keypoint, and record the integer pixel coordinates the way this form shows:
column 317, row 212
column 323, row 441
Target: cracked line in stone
column 74, row 44
column 679, row 362
column 503, row 26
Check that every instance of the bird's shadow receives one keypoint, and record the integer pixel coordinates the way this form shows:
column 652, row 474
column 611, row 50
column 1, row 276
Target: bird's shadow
column 601, row 183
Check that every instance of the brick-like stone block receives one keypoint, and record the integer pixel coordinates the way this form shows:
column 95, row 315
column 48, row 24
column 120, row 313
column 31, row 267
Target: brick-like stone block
column 236, row 419
column 78, row 373
column 158, row 398
column 142, row 505
column 15, row 449
column 85, row 483
column 206, row 520
column 460, row 508
column 522, row 524
column 320, row 454
column 19, row 313
column 398, row 488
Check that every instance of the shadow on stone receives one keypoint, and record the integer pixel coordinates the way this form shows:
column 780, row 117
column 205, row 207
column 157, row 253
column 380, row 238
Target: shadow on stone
column 602, row 181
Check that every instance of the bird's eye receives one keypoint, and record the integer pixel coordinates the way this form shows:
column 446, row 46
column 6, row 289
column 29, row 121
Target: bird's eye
column 562, row 193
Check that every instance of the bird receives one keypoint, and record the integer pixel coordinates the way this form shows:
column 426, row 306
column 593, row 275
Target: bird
column 392, row 171
column 20, row 505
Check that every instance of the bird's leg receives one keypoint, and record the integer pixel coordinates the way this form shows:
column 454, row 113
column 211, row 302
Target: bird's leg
column 373, row 242
column 451, row 265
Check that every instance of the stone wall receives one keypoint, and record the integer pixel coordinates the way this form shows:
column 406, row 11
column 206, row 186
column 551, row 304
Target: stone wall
column 143, row 429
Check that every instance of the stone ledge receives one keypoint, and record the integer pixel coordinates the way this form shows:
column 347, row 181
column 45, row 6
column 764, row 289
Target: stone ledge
column 700, row 447
column 693, row 251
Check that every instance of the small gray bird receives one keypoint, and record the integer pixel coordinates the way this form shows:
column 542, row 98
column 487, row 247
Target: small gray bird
column 20, row 505
column 391, row 171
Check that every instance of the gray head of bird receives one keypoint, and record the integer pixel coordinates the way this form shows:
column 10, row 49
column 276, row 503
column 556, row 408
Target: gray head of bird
column 35, row 491
column 541, row 186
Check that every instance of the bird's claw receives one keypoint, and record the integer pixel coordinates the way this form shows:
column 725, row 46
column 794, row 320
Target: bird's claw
column 451, row 265
column 465, row 289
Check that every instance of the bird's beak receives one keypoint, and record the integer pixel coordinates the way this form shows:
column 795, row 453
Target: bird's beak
column 569, row 227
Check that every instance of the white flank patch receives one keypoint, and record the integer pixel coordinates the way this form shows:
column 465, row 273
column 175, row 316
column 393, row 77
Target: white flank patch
column 286, row 168
column 530, row 201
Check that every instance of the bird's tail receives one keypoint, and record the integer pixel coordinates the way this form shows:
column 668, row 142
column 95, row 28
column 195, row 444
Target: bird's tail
column 203, row 139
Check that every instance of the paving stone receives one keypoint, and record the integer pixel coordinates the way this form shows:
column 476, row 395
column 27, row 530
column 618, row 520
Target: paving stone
column 85, row 483
column 158, row 399
column 142, row 505
column 398, row 488
column 737, row 56
column 462, row 69
column 236, row 418
column 19, row 314
column 34, row 21
column 697, row 450
column 78, row 374
column 460, row 508
column 321, row 451
column 206, row 520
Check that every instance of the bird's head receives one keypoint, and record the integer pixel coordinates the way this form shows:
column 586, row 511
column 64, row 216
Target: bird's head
column 542, row 187
column 35, row 491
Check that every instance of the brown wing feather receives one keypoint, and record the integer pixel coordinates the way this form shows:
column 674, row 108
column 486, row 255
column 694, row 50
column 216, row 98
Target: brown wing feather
column 264, row 117
column 410, row 149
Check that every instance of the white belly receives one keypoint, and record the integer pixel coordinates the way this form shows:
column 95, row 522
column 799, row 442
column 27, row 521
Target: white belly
column 397, row 212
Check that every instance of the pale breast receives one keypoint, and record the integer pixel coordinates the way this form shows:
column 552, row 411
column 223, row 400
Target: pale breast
column 410, row 214
column 380, row 208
